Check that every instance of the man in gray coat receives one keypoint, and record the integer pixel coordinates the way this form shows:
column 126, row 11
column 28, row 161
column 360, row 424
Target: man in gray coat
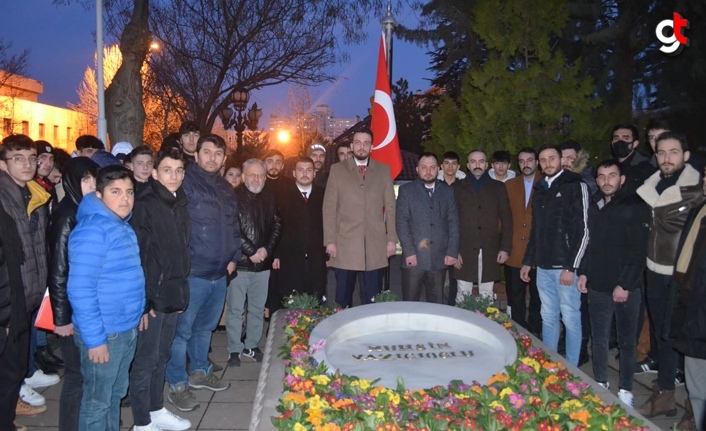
column 427, row 226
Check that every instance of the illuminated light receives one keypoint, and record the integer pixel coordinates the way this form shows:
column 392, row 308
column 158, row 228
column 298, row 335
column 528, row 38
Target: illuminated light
column 283, row 136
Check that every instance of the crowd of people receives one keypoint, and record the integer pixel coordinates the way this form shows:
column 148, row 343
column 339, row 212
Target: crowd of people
column 141, row 253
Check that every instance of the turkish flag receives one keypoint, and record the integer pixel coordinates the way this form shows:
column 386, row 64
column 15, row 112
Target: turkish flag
column 386, row 146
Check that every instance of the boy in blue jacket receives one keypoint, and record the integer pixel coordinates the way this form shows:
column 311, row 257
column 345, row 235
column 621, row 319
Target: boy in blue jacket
column 106, row 289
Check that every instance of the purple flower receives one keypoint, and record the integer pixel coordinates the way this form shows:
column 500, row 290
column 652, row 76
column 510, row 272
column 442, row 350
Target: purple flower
column 319, row 345
column 574, row 388
column 517, row 401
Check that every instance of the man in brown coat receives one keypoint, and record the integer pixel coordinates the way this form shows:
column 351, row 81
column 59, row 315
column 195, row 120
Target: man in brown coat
column 359, row 221
column 486, row 228
column 520, row 192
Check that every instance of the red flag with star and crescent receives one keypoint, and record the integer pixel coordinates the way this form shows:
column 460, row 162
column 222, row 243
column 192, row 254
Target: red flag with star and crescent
column 386, row 146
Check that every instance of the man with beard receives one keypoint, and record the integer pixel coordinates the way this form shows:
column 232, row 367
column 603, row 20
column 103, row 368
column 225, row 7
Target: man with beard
column 611, row 273
column 317, row 153
column 635, row 166
column 486, row 228
column 260, row 229
column 359, row 221
column 671, row 193
column 556, row 246
column 300, row 256
column 214, row 246
column 274, row 163
column 427, row 225
column 520, row 193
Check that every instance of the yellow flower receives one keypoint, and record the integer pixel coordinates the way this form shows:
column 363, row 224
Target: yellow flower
column 380, row 415
column 571, row 404
column 395, row 398
column 315, row 416
column 316, row 402
column 492, row 310
column 328, row 427
column 362, row 383
column 505, row 392
column 297, row 371
column 321, row 379
column 462, row 396
column 299, row 427
column 497, row 405
column 531, row 363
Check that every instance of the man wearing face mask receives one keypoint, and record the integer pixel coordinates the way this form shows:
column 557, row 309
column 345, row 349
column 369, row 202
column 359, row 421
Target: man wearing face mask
column 635, row 166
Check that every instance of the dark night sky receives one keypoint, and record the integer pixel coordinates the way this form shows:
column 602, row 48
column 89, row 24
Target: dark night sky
column 61, row 44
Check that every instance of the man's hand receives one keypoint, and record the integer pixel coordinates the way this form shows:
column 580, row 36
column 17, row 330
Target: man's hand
column 581, row 284
column 411, row 261
column 64, row 331
column 502, row 257
column 448, row 260
column 459, row 262
column 275, row 264
column 144, row 320
column 566, row 278
column 620, row 294
column 391, row 248
column 99, row 355
column 524, row 273
column 230, row 268
column 331, row 250
column 262, row 252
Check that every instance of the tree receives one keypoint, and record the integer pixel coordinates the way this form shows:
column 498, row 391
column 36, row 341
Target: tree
column 525, row 93
column 11, row 65
column 412, row 115
column 163, row 112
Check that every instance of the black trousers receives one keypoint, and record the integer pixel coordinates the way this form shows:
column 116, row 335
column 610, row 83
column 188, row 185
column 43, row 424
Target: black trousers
column 516, row 289
column 657, row 293
column 414, row 281
column 13, row 368
column 154, row 347
column 370, row 284
column 72, row 388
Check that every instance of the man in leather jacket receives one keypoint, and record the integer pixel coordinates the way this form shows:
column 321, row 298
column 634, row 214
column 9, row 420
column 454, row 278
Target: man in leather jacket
column 671, row 193
column 260, row 229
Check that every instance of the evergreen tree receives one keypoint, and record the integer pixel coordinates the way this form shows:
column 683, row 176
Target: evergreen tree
column 525, row 93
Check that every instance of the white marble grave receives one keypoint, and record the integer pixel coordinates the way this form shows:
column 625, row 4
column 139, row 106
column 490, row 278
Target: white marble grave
column 425, row 344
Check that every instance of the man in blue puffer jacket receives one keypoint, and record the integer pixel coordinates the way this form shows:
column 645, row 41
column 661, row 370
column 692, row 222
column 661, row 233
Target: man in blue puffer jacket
column 106, row 289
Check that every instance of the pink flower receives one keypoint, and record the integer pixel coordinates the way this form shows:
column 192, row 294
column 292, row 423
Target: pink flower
column 517, row 401
column 319, row 345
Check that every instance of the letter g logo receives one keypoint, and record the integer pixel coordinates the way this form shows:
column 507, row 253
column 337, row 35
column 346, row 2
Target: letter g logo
column 672, row 45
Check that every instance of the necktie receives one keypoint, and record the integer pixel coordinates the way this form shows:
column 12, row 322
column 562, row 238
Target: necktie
column 305, row 198
column 361, row 168
column 430, row 191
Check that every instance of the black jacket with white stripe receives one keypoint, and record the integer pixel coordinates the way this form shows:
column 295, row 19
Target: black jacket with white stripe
column 559, row 234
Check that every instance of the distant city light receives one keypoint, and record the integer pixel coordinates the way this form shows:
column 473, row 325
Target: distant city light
column 283, row 136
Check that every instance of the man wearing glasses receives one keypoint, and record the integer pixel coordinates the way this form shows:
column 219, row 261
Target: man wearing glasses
column 24, row 200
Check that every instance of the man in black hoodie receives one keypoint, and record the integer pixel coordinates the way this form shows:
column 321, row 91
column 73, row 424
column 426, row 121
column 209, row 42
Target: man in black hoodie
column 79, row 178
column 161, row 222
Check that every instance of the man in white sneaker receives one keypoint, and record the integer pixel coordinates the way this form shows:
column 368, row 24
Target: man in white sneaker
column 22, row 196
column 611, row 272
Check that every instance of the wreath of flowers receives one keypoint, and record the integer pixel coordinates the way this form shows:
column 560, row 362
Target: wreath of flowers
column 534, row 393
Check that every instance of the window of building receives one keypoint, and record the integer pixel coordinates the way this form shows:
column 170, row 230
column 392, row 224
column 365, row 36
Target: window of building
column 25, row 127
column 68, row 134
column 7, row 126
column 41, row 130
column 56, row 133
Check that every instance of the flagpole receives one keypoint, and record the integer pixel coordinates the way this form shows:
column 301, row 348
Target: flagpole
column 388, row 24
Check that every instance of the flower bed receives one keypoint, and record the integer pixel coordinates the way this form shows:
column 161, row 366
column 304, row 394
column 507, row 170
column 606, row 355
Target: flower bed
column 532, row 394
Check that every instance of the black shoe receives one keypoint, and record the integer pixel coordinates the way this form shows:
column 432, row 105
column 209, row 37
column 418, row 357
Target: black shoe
column 646, row 366
column 46, row 368
column 44, row 356
column 679, row 379
column 254, row 355
column 234, row 360
column 125, row 402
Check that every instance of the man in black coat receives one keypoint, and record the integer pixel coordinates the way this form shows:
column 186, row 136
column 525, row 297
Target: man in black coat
column 162, row 225
column 611, row 273
column 260, row 229
column 300, row 257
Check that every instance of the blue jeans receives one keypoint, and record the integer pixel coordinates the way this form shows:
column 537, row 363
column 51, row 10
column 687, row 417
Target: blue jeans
column 104, row 385
column 560, row 301
column 601, row 309
column 195, row 327
column 253, row 286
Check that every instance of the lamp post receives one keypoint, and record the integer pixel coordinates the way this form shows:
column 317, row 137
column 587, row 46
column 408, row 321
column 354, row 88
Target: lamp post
column 388, row 24
column 234, row 118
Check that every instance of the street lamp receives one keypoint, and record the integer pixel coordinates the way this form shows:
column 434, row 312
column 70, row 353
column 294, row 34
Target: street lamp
column 239, row 98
